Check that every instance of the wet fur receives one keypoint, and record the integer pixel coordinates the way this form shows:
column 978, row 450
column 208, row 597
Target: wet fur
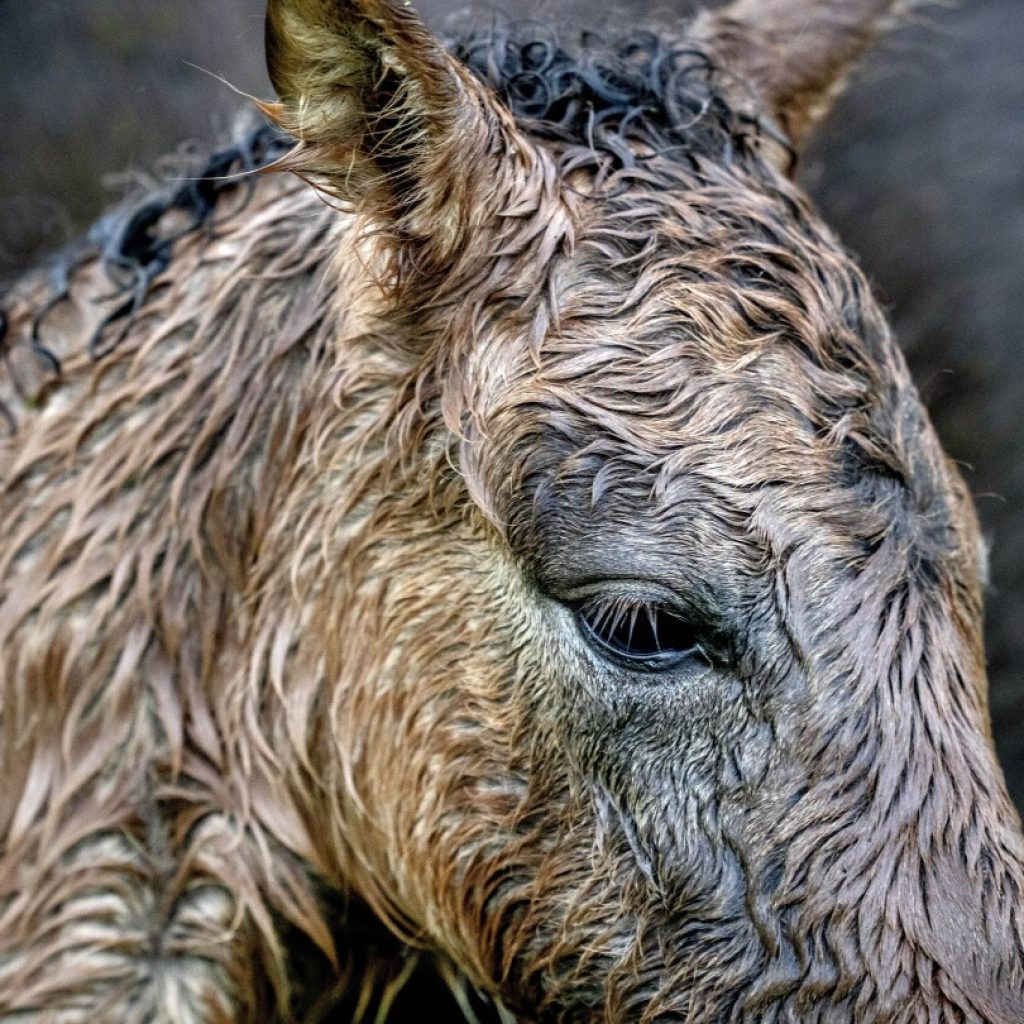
column 281, row 617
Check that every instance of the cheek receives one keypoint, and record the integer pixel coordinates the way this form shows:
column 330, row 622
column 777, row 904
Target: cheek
column 429, row 742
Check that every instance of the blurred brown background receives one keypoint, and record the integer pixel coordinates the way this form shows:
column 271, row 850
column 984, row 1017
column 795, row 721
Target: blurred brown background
column 920, row 169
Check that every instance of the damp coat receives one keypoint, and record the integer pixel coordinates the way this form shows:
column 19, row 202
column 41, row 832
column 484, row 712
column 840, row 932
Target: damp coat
column 327, row 536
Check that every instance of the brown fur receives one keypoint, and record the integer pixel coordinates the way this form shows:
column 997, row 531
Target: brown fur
column 288, row 580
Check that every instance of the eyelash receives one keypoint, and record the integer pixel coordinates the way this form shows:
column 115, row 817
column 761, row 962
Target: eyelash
column 643, row 635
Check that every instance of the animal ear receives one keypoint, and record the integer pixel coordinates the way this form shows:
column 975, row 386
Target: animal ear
column 386, row 120
column 796, row 53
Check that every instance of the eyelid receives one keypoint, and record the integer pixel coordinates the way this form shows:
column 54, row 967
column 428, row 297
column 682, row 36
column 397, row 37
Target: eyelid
column 642, row 591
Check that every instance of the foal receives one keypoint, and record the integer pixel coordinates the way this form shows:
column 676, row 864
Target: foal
column 535, row 555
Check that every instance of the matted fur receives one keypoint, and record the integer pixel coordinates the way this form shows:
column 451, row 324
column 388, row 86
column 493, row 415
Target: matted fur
column 285, row 622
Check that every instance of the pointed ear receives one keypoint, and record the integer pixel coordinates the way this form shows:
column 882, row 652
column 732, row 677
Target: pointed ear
column 796, row 53
column 387, row 121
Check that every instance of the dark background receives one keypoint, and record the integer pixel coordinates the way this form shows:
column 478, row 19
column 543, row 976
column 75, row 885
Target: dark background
column 920, row 169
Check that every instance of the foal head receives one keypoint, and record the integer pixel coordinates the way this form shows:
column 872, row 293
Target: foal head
column 673, row 705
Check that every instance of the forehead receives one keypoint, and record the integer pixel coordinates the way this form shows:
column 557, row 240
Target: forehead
column 716, row 357
column 701, row 314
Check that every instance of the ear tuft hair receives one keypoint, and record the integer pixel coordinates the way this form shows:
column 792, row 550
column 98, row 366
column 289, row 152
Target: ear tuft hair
column 386, row 120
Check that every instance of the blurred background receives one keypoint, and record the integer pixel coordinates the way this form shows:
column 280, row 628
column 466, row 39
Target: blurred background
column 920, row 169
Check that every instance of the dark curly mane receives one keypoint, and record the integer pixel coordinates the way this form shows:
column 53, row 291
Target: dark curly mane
column 606, row 98
column 613, row 104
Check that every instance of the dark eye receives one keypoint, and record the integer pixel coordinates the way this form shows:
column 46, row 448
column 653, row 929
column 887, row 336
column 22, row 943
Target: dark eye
column 643, row 635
